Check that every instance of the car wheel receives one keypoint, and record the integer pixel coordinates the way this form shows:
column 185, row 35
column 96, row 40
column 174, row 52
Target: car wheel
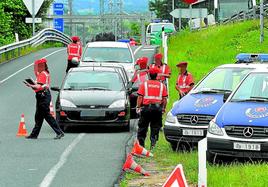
column 126, row 128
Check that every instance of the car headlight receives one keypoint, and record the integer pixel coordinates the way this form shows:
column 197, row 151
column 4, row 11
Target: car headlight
column 118, row 104
column 170, row 118
column 213, row 128
column 66, row 103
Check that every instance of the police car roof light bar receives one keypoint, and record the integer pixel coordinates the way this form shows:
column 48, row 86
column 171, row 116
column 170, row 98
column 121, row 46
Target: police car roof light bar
column 250, row 58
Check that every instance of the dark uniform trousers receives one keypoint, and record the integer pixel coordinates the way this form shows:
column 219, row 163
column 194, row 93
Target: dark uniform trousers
column 150, row 115
column 43, row 99
column 70, row 65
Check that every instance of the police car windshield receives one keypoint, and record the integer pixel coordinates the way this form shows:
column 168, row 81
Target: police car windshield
column 107, row 54
column 221, row 80
column 93, row 80
column 253, row 89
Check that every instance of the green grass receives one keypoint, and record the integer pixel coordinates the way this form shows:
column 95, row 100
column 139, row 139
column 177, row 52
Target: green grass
column 205, row 50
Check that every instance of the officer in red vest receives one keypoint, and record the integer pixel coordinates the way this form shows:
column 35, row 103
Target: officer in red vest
column 185, row 81
column 74, row 51
column 142, row 73
column 151, row 103
column 165, row 71
column 132, row 42
column 43, row 99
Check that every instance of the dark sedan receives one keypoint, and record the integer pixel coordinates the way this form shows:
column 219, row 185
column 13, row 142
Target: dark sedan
column 95, row 96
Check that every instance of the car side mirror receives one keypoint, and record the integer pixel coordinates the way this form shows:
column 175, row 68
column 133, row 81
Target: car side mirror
column 226, row 95
column 56, row 88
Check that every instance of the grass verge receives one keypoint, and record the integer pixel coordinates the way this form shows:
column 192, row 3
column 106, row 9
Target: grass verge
column 26, row 50
column 205, row 50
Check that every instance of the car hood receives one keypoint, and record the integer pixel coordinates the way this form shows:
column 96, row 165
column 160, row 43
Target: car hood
column 206, row 104
column 92, row 97
column 243, row 114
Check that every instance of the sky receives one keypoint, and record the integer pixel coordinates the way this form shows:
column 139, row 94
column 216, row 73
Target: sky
column 82, row 7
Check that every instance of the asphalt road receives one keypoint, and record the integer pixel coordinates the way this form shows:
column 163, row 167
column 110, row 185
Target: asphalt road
column 84, row 157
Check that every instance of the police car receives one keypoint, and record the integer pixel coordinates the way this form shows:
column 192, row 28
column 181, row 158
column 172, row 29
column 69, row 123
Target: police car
column 240, row 128
column 189, row 118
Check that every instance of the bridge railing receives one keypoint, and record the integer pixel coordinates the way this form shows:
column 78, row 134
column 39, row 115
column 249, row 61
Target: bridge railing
column 11, row 50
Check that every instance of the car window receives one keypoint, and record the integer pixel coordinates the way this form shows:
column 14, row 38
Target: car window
column 93, row 80
column 254, row 86
column 223, row 79
column 107, row 54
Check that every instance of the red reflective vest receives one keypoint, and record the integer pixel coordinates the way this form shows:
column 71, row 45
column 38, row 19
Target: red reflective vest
column 140, row 76
column 153, row 92
column 164, row 71
column 74, row 50
column 43, row 78
column 132, row 43
column 184, row 82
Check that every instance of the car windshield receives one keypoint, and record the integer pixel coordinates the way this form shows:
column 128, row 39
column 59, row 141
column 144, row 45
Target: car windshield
column 107, row 54
column 158, row 27
column 221, row 80
column 93, row 80
column 254, row 88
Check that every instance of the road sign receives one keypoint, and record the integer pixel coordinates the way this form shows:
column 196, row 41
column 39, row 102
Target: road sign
column 59, row 24
column 190, row 1
column 58, row 9
column 30, row 20
column 177, row 178
column 187, row 13
column 37, row 5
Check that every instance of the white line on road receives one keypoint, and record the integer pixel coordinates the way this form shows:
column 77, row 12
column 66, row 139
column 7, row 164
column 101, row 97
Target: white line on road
column 4, row 80
column 137, row 49
column 147, row 49
column 63, row 158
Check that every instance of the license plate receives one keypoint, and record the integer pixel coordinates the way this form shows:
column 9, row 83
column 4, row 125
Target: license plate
column 92, row 113
column 192, row 132
column 247, row 146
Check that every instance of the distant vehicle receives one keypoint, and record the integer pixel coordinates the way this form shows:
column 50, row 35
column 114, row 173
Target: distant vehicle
column 112, row 53
column 154, row 32
column 94, row 96
column 240, row 128
column 190, row 116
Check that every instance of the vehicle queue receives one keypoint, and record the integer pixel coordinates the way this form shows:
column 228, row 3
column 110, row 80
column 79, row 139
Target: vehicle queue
column 228, row 106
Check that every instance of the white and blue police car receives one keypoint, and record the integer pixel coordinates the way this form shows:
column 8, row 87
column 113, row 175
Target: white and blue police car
column 189, row 118
column 240, row 128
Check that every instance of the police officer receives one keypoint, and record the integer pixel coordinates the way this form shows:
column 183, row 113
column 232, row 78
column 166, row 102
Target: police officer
column 151, row 103
column 43, row 99
column 141, row 73
column 165, row 71
column 74, row 51
column 132, row 42
column 185, row 81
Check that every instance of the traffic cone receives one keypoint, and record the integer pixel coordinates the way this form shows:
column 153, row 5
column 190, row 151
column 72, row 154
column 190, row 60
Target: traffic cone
column 132, row 165
column 140, row 151
column 51, row 108
column 22, row 129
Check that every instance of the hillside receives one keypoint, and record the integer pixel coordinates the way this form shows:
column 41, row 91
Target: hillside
column 211, row 47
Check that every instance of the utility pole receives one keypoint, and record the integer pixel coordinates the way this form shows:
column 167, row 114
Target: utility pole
column 70, row 2
column 33, row 16
column 261, row 21
column 173, row 7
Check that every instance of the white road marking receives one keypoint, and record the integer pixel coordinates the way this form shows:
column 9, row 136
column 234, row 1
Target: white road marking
column 63, row 158
column 137, row 49
column 4, row 80
column 147, row 49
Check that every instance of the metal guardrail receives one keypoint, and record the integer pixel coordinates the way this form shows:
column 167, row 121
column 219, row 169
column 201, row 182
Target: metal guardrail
column 243, row 15
column 45, row 35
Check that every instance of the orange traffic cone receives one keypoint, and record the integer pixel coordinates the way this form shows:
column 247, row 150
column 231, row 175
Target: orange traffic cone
column 51, row 108
column 22, row 129
column 132, row 165
column 140, row 151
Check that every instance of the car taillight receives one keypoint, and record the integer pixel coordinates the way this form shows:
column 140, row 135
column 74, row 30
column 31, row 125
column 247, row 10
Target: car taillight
column 63, row 114
column 121, row 114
